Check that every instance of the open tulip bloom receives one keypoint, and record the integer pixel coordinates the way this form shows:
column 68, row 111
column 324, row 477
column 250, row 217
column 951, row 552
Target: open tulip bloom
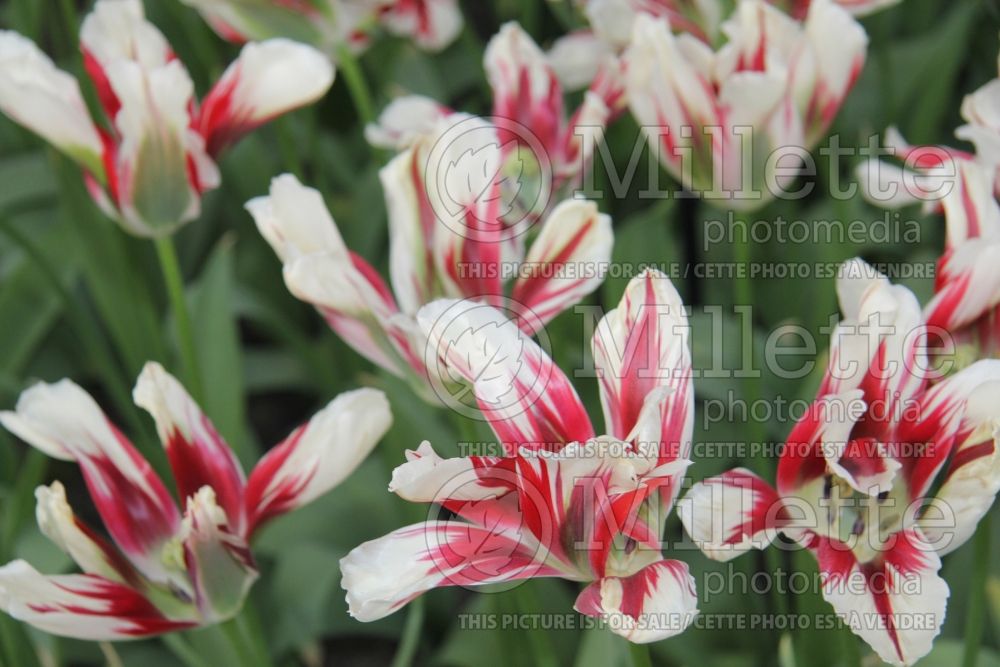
column 166, row 568
column 854, row 481
column 732, row 124
column 431, row 256
column 557, row 500
column 149, row 163
column 329, row 24
column 544, row 152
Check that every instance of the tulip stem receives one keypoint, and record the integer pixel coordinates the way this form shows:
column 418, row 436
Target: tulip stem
column 640, row 655
column 171, row 268
column 183, row 651
column 356, row 84
column 977, row 596
column 411, row 635
column 84, row 327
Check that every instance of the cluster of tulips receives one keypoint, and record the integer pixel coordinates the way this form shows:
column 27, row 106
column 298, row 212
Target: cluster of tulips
column 892, row 466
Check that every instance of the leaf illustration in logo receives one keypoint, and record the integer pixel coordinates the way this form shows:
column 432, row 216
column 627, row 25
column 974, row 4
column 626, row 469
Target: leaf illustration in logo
column 490, row 355
column 480, row 176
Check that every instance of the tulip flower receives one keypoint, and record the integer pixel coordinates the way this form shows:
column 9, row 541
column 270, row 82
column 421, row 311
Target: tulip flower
column 330, row 24
column 430, row 257
column 547, row 150
column 556, row 500
column 148, row 166
column 884, row 473
column 929, row 173
column 967, row 282
column 166, row 568
column 732, row 124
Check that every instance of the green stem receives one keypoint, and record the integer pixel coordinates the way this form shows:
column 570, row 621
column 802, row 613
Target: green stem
column 233, row 632
column 171, row 268
column 183, row 651
column 640, row 655
column 83, row 325
column 356, row 84
column 408, row 645
column 248, row 623
column 977, row 597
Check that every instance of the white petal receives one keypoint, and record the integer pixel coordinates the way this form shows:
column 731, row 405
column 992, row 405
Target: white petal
column 117, row 30
column 318, row 455
column 405, row 120
column 46, row 100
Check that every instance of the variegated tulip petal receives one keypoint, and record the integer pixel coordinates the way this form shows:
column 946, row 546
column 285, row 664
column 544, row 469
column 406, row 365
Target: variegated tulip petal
column 382, row 575
column 81, row 606
column 527, row 399
column 218, row 558
column 117, row 30
column 152, row 183
column 577, row 57
column 63, row 421
column 428, row 478
column 657, row 602
column 433, row 24
column 971, row 210
column 268, row 79
column 89, row 550
column 639, row 346
column 317, row 456
column 731, row 514
column 566, row 260
column 879, row 600
column 828, row 422
column 47, row 101
column 404, row 121
column 968, row 285
column 198, row 455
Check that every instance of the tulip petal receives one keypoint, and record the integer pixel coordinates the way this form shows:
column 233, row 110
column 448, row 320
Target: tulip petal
column 384, row 574
column 895, row 603
column 566, row 260
column 317, row 456
column 268, row 79
column 47, row 101
column 657, row 602
column 404, row 121
column 197, row 453
column 89, row 550
column 731, row 514
column 218, row 559
column 63, row 421
column 640, row 346
column 433, row 24
column 81, row 606
column 527, row 399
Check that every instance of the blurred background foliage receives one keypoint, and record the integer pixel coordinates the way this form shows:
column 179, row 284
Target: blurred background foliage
column 78, row 298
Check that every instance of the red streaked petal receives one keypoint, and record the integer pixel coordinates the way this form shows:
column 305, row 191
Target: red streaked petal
column 63, row 421
column 382, row 575
column 317, row 456
column 657, row 602
column 81, row 606
column 566, row 261
column 197, row 453
column 881, row 600
column 640, row 346
column 731, row 514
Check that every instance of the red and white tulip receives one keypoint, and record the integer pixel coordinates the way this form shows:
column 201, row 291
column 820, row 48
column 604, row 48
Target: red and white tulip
column 330, row 24
column 166, row 567
column 556, row 500
column 882, row 475
column 732, row 124
column 543, row 149
column 430, row 257
column 153, row 156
